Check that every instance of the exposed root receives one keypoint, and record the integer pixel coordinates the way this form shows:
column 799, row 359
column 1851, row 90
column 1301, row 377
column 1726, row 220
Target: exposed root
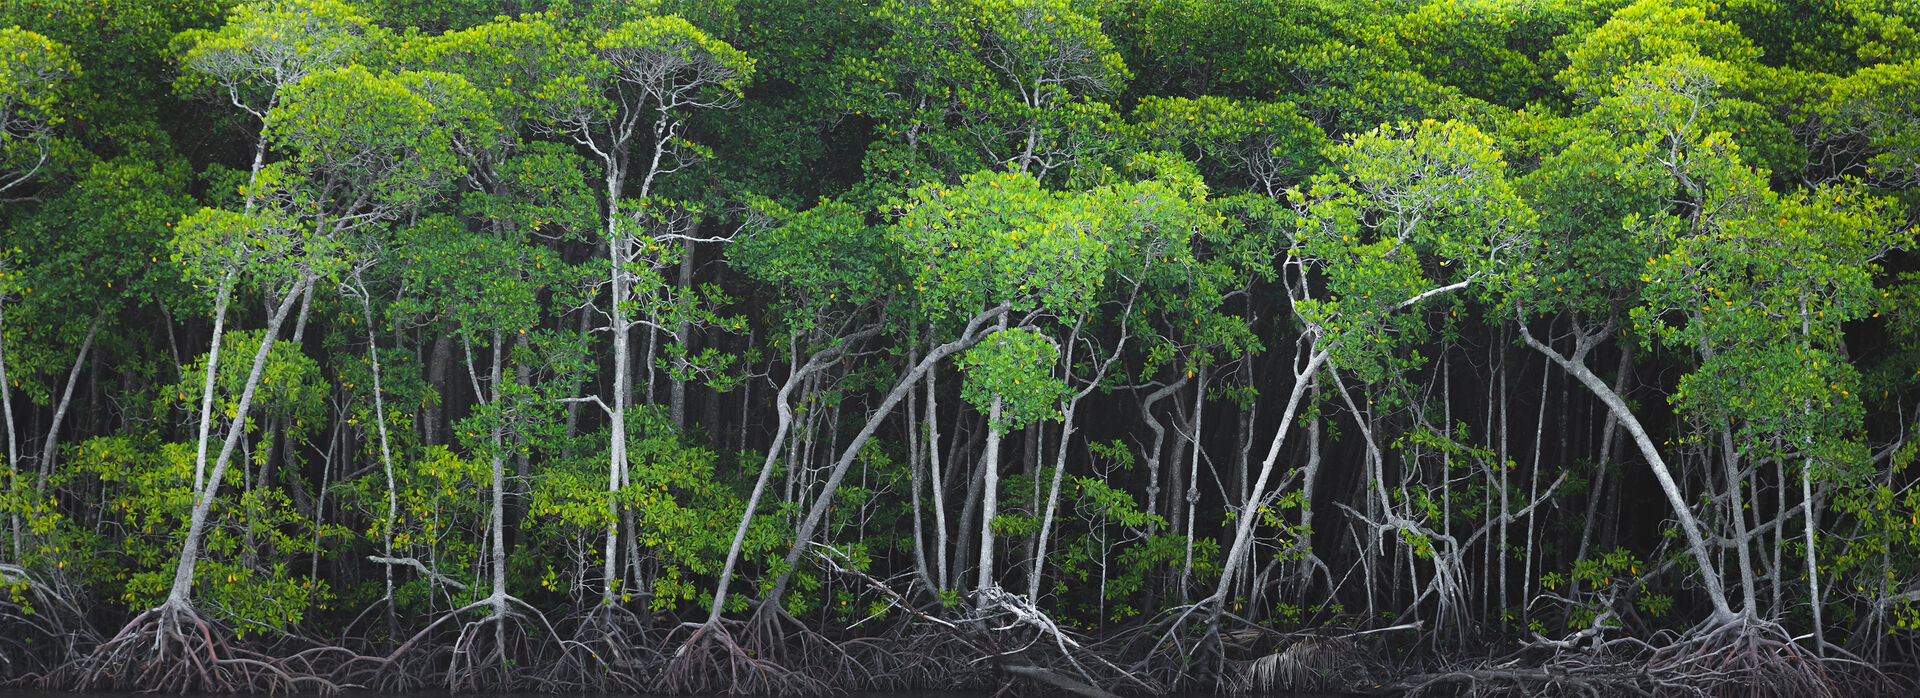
column 1006, row 631
column 171, row 649
column 1740, row 659
column 709, row 661
column 1749, row 659
column 772, row 635
column 40, row 629
column 495, row 652
column 609, row 650
column 1179, row 650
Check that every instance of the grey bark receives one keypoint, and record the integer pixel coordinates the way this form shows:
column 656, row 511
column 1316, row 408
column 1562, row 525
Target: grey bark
column 50, row 452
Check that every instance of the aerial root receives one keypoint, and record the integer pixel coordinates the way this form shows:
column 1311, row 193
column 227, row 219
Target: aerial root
column 1738, row 659
column 709, row 661
column 1748, row 659
column 606, row 649
column 171, row 649
column 40, row 628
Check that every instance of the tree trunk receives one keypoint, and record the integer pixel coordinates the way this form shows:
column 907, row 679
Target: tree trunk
column 803, row 536
column 989, row 496
column 784, row 414
column 180, row 594
column 13, row 456
column 1243, row 521
column 1813, row 569
column 1193, row 475
column 1696, row 541
column 617, row 430
column 50, row 453
column 436, row 416
column 936, row 482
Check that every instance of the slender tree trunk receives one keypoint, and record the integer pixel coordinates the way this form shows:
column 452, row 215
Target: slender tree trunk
column 179, row 596
column 989, row 497
column 916, row 475
column 1813, row 568
column 1533, row 491
column 435, row 421
column 222, row 297
column 499, row 515
column 1736, row 501
column 386, row 452
column 1696, row 541
column 1193, row 476
column 50, row 453
column 1607, row 432
column 783, row 409
column 682, row 335
column 617, row 430
column 804, row 534
column 13, row 455
column 1159, row 443
column 1243, row 521
column 937, row 482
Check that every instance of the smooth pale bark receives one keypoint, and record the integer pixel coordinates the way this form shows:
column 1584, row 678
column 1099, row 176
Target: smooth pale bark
column 1159, row 443
column 50, row 453
column 1621, row 372
column 617, row 448
column 386, row 451
column 1243, row 520
column 990, row 497
column 682, row 334
column 1533, row 490
column 1737, row 513
column 499, row 524
column 6, row 406
column 937, row 482
column 1193, row 477
column 990, row 488
column 180, row 595
column 1067, row 429
column 974, row 331
column 784, row 426
column 916, row 476
column 1813, row 569
column 1575, row 365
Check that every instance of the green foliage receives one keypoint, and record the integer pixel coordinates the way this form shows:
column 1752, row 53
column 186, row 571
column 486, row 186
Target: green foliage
column 1412, row 210
column 33, row 70
column 1016, row 367
column 1000, row 238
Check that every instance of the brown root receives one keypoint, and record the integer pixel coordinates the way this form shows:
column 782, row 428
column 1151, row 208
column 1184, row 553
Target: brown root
column 1738, row 659
column 492, row 653
column 609, row 650
column 172, row 649
column 709, row 661
column 1750, row 660
column 40, row 628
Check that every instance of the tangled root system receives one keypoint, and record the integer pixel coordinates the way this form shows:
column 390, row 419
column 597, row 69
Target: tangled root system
column 172, row 649
column 708, row 660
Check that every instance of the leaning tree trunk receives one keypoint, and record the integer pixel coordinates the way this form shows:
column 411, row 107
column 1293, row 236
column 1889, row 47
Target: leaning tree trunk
column 1066, row 436
column 803, row 536
column 1243, row 523
column 1576, row 366
column 179, row 597
column 784, row 409
column 51, row 451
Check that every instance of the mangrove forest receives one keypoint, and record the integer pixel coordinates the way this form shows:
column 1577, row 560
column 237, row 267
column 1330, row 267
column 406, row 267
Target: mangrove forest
column 1043, row 347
